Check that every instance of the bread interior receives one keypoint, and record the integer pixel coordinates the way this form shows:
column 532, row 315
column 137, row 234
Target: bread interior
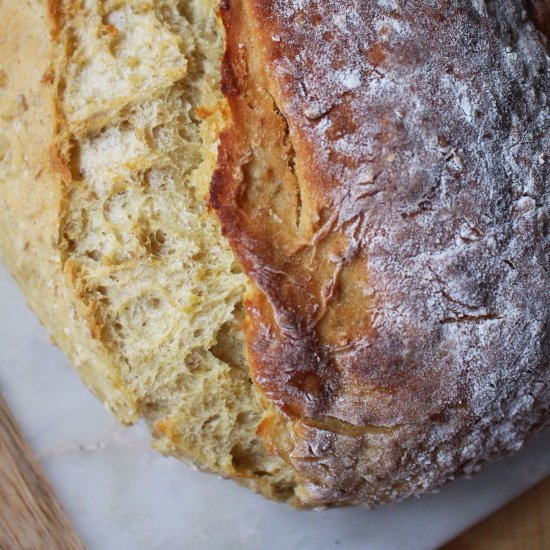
column 138, row 92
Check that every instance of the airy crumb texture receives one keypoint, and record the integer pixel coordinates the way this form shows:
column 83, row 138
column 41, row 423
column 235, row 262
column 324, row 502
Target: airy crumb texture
column 146, row 293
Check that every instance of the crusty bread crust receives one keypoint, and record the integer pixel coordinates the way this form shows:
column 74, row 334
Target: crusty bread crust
column 386, row 186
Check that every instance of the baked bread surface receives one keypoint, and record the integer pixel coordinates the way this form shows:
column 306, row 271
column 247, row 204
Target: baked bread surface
column 111, row 112
column 382, row 181
column 385, row 184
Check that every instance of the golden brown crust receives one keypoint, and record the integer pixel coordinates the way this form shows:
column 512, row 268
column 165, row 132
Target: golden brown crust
column 385, row 186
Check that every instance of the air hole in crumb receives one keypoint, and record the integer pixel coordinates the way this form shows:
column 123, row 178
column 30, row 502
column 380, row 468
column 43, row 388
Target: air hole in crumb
column 155, row 132
column 94, row 255
column 61, row 86
column 160, row 236
column 71, row 244
column 245, row 417
column 153, row 242
column 74, row 160
column 242, row 459
column 210, row 420
column 192, row 362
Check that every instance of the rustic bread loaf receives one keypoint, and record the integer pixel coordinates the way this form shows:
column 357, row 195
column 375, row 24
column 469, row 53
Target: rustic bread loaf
column 381, row 174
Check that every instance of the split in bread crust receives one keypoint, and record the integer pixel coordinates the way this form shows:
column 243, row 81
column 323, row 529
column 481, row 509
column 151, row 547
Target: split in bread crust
column 386, row 186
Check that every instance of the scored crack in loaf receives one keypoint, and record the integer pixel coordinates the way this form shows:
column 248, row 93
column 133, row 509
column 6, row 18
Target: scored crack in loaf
column 138, row 111
column 385, row 184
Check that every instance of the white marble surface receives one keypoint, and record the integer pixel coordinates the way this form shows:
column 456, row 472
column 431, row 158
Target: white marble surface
column 121, row 495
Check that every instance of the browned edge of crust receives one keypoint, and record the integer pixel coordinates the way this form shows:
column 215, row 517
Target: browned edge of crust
column 379, row 400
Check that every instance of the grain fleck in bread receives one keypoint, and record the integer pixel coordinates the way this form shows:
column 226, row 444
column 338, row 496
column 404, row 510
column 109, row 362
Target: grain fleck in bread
column 383, row 190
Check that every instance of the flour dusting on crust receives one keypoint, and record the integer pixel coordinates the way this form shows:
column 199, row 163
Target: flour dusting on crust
column 421, row 132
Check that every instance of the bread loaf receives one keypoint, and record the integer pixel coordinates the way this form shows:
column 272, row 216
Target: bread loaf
column 319, row 266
